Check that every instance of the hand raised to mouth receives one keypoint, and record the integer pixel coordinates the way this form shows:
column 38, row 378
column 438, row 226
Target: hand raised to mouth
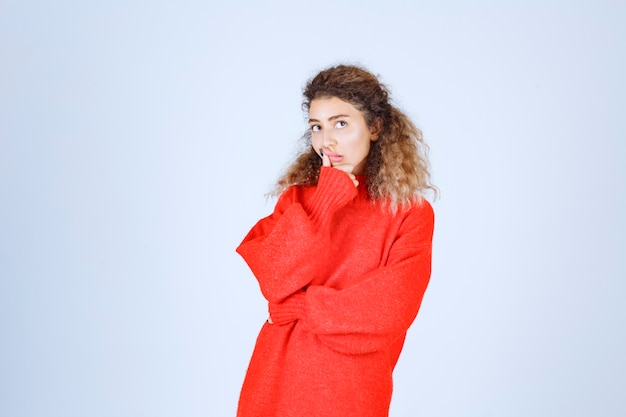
column 345, row 168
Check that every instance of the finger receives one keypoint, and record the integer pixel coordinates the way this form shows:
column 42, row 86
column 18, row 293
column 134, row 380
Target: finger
column 325, row 159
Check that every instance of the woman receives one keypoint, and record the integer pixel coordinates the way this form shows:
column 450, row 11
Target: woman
column 344, row 259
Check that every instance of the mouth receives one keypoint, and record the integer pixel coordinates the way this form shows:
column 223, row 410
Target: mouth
column 333, row 156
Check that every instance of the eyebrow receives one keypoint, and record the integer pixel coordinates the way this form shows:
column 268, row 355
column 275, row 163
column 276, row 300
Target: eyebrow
column 331, row 118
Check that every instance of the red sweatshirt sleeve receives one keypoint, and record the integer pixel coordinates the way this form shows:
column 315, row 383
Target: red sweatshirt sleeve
column 288, row 311
column 372, row 314
column 285, row 250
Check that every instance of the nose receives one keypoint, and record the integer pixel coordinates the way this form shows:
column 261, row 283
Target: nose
column 328, row 139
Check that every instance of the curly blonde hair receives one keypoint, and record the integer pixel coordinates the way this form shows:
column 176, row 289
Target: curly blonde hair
column 397, row 168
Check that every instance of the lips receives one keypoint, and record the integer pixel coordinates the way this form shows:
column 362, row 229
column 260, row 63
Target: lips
column 334, row 157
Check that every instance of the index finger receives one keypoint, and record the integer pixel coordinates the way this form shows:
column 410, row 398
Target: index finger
column 325, row 160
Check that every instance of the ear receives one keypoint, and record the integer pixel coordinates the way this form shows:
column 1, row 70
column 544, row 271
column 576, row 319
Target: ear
column 375, row 129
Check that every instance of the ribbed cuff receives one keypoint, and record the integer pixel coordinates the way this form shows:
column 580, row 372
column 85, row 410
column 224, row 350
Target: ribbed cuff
column 291, row 309
column 334, row 190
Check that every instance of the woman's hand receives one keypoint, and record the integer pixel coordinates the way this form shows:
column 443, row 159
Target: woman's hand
column 290, row 310
column 345, row 168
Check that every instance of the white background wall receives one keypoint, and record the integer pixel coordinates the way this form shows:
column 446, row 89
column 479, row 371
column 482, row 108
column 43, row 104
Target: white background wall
column 137, row 140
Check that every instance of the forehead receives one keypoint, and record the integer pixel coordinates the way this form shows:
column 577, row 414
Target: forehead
column 322, row 108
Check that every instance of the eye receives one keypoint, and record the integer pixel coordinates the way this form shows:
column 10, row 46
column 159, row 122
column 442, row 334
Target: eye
column 315, row 128
column 341, row 124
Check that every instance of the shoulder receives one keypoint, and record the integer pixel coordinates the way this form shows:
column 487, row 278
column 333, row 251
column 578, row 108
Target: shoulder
column 422, row 207
column 419, row 215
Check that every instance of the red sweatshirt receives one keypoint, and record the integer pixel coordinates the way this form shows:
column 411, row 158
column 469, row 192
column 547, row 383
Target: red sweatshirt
column 344, row 278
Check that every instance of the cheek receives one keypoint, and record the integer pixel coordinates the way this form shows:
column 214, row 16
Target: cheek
column 363, row 143
column 316, row 142
column 366, row 148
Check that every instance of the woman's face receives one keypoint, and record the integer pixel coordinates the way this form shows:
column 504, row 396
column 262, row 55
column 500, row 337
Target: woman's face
column 340, row 130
